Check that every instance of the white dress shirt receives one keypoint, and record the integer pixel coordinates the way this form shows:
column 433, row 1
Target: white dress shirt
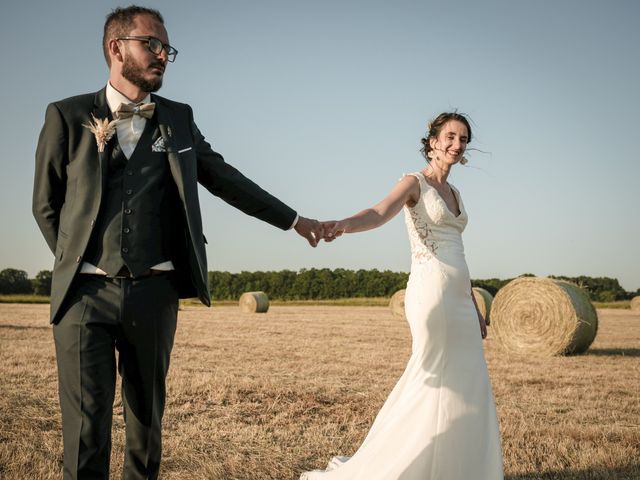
column 129, row 130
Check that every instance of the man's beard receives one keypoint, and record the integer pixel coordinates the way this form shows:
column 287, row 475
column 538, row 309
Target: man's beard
column 135, row 74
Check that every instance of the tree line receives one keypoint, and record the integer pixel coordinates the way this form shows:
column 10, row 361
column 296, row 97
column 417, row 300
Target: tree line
column 317, row 284
column 308, row 284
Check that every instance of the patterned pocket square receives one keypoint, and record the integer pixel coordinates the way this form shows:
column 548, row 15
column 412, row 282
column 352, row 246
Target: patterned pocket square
column 158, row 145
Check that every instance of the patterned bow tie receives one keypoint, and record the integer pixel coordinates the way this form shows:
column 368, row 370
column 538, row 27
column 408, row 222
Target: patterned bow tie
column 127, row 110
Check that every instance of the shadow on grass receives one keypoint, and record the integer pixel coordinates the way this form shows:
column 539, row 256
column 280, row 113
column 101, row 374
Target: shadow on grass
column 625, row 472
column 618, row 352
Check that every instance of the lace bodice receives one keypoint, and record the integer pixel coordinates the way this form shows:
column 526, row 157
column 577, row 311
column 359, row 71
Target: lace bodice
column 433, row 229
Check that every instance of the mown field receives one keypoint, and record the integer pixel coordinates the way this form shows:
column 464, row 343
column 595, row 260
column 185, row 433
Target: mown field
column 265, row 396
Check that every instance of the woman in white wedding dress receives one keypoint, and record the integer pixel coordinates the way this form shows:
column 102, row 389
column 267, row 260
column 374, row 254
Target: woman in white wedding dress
column 439, row 422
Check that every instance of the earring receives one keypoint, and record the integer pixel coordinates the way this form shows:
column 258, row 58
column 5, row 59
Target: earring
column 464, row 160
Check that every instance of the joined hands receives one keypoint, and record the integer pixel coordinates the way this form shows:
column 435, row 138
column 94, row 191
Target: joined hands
column 332, row 229
column 314, row 231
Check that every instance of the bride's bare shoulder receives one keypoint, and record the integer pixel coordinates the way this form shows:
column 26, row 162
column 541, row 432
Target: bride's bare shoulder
column 411, row 181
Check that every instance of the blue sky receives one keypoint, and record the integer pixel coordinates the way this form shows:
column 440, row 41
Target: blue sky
column 324, row 104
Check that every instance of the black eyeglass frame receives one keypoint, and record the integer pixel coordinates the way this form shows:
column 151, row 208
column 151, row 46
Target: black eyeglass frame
column 172, row 53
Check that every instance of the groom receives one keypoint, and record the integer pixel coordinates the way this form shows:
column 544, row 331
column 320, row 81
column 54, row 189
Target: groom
column 118, row 205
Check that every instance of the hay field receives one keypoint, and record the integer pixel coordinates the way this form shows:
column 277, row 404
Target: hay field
column 264, row 396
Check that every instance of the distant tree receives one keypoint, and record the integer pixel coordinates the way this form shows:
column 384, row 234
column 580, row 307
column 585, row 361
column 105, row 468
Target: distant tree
column 220, row 285
column 14, row 281
column 325, row 283
column 42, row 283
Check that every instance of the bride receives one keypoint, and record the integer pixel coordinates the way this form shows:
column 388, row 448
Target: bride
column 439, row 422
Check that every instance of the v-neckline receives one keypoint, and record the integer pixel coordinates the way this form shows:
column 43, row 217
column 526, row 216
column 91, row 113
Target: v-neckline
column 455, row 196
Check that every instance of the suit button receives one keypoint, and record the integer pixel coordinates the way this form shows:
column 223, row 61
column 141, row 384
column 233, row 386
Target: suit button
column 125, row 250
column 126, row 230
column 127, row 211
column 78, row 258
column 129, row 192
column 130, row 172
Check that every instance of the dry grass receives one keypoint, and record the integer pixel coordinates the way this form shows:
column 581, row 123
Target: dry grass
column 351, row 302
column 264, row 396
column 23, row 298
column 617, row 304
column 331, row 302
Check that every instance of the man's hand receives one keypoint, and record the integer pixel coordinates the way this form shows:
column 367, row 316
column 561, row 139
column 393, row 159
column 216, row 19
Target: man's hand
column 309, row 229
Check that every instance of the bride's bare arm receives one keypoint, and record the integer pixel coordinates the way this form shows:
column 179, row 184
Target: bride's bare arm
column 406, row 191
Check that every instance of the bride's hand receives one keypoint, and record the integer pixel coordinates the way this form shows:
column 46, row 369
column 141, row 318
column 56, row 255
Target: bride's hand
column 332, row 229
column 483, row 325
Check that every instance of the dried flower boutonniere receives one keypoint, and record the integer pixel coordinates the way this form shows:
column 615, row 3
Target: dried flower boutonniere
column 103, row 129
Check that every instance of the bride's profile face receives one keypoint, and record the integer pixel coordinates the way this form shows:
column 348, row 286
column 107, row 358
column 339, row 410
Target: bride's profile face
column 451, row 142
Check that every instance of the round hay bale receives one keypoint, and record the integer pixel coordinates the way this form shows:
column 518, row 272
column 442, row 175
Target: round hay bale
column 543, row 316
column 396, row 304
column 635, row 303
column 254, row 302
column 483, row 300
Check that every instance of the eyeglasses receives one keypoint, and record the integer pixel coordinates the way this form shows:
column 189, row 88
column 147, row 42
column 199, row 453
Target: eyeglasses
column 155, row 46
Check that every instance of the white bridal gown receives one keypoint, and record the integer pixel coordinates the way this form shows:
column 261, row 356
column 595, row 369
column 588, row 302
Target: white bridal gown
column 439, row 422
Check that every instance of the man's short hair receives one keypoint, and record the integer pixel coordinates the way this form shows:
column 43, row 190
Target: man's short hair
column 121, row 21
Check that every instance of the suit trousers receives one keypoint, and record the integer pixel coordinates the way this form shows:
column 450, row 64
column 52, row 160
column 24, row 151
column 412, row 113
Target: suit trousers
column 137, row 319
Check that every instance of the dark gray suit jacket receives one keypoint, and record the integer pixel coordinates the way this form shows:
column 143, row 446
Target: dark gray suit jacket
column 70, row 175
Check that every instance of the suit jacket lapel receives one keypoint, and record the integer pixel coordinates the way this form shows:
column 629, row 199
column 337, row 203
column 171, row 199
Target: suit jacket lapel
column 167, row 130
column 101, row 110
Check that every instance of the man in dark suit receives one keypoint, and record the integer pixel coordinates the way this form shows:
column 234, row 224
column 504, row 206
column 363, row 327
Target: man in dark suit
column 118, row 205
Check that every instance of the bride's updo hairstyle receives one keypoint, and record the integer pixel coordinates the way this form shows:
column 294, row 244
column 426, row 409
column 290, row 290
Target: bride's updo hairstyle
column 435, row 127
